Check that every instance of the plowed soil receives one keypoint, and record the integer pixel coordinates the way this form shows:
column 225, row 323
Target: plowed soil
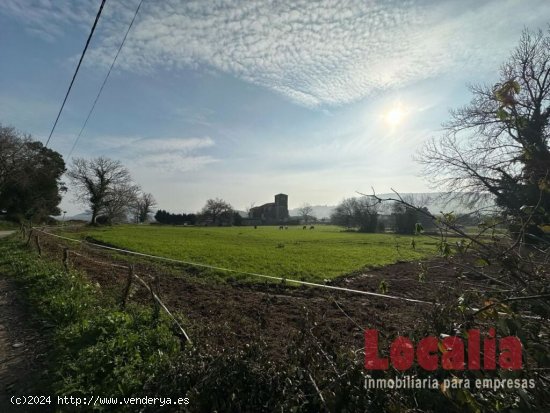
column 244, row 312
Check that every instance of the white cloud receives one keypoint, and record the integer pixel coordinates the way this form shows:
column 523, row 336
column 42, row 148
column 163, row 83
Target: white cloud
column 163, row 155
column 183, row 145
column 324, row 53
column 49, row 18
column 169, row 154
column 174, row 162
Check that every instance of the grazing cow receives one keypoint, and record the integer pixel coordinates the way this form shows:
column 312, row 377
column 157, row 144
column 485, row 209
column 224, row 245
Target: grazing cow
column 280, row 227
column 255, row 227
column 312, row 227
column 305, row 226
column 286, row 227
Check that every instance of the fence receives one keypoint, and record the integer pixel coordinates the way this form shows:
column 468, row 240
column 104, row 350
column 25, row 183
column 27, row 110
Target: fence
column 155, row 296
column 151, row 287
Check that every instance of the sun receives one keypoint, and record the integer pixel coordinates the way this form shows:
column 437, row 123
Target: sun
column 394, row 117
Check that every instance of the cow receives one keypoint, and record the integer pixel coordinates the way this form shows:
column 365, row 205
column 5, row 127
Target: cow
column 305, row 226
column 312, row 227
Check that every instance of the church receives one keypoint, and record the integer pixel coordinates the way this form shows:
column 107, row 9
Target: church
column 272, row 212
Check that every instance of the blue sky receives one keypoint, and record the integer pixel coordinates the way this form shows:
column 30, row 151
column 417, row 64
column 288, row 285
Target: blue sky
column 245, row 99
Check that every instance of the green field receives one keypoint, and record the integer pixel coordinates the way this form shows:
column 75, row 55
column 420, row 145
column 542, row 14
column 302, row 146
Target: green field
column 323, row 253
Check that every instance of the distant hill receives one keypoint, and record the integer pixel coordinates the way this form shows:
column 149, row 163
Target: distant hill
column 319, row 211
column 436, row 201
column 84, row 216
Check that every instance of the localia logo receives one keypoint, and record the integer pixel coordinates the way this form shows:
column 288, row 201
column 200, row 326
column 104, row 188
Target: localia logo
column 449, row 352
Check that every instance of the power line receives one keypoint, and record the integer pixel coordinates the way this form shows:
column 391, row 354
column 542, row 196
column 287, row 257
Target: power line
column 76, row 71
column 105, row 80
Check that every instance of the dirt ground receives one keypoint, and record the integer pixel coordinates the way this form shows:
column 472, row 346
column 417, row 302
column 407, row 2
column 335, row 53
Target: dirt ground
column 22, row 347
column 244, row 312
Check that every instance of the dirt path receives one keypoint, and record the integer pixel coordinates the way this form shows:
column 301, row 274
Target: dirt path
column 21, row 345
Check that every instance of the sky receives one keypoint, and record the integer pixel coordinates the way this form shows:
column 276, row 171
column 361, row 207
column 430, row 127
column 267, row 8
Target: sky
column 245, row 99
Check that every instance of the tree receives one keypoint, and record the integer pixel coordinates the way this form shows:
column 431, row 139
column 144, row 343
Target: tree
column 405, row 218
column 365, row 213
column 121, row 200
column 343, row 213
column 164, row 217
column 410, row 212
column 361, row 213
column 305, row 212
column 498, row 144
column 144, row 203
column 103, row 184
column 248, row 209
column 30, row 177
column 237, row 219
column 217, row 211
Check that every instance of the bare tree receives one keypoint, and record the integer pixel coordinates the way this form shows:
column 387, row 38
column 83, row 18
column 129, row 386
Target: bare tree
column 120, row 201
column 498, row 144
column 97, row 181
column 217, row 211
column 343, row 214
column 305, row 212
column 249, row 209
column 361, row 213
column 144, row 203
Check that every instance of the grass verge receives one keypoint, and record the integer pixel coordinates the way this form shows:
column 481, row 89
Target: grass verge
column 97, row 349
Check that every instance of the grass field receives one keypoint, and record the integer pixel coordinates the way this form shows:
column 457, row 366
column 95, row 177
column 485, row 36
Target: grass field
column 323, row 253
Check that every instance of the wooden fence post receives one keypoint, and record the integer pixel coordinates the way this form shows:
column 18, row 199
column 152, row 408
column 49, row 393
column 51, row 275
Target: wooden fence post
column 37, row 240
column 29, row 237
column 66, row 258
column 128, row 286
column 156, row 281
column 156, row 305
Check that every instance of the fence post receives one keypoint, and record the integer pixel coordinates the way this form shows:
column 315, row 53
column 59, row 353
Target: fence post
column 128, row 286
column 66, row 258
column 156, row 305
column 29, row 237
column 156, row 281
column 37, row 239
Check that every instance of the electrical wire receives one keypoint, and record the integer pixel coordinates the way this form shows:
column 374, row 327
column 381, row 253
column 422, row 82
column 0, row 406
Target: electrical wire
column 76, row 71
column 104, row 81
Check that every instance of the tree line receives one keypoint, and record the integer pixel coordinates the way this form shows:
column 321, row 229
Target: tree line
column 31, row 185
column 164, row 217
column 367, row 214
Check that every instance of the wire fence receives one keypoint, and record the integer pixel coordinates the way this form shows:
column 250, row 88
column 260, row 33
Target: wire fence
column 155, row 295
column 131, row 273
column 252, row 274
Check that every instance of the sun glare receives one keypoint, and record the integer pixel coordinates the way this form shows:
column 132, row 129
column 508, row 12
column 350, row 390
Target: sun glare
column 394, row 116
